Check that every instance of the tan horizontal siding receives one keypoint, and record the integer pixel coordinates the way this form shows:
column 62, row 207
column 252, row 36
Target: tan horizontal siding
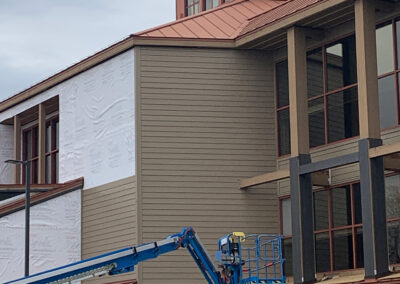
column 206, row 121
column 109, row 221
column 343, row 174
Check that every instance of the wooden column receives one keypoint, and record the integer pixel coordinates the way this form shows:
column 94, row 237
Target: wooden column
column 42, row 145
column 297, row 63
column 300, row 184
column 17, row 148
column 372, row 179
column 367, row 73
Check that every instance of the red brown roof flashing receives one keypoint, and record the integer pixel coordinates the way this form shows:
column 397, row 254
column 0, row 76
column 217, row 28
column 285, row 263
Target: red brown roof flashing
column 57, row 190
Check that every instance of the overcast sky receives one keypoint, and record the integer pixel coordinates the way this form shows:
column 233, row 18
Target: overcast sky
column 41, row 37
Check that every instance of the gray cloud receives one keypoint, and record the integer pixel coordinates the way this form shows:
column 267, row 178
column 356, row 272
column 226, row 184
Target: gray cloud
column 41, row 37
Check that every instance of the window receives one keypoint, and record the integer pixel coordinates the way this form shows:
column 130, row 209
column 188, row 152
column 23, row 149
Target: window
column 52, row 146
column 31, row 151
column 192, row 7
column 387, row 47
column 211, row 4
column 338, row 226
column 331, row 91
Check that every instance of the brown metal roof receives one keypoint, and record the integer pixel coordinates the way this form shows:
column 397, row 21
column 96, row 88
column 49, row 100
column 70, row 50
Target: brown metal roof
column 224, row 22
column 36, row 198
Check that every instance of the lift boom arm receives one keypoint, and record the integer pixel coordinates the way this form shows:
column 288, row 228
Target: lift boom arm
column 124, row 260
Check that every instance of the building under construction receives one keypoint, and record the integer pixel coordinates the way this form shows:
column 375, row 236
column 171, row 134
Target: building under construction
column 261, row 116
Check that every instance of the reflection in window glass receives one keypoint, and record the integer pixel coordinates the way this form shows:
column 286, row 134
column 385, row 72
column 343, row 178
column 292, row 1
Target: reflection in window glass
column 359, row 248
column 315, row 73
column 321, row 220
column 343, row 249
column 392, row 193
column 341, row 64
column 287, row 254
column 211, row 4
column 284, row 132
column 282, row 83
column 286, row 217
column 193, row 7
column 316, row 122
column 48, row 169
column 357, row 204
column 322, row 252
column 343, row 121
column 341, row 206
column 387, row 102
column 48, row 137
column 393, row 229
column 384, row 49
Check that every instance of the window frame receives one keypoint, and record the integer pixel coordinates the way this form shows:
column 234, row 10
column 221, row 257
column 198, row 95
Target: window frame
column 332, row 229
column 52, row 119
column 202, row 6
column 324, row 95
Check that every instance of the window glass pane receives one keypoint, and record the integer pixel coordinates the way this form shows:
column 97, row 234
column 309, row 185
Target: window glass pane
column 322, row 252
column 27, row 145
column 193, row 7
column 357, row 204
column 384, row 49
column 284, row 132
column 35, row 142
column 48, row 169
column 387, row 102
column 48, row 137
column 34, row 177
column 341, row 64
column 394, row 242
column 315, row 73
column 343, row 250
column 359, row 248
column 211, row 4
column 286, row 217
column 321, row 220
column 343, row 121
column 56, row 168
column 287, row 254
column 398, row 43
column 392, row 192
column 341, row 206
column 57, row 134
column 316, row 122
column 282, row 83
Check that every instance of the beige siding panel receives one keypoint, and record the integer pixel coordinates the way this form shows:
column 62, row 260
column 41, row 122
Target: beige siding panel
column 109, row 221
column 343, row 174
column 206, row 121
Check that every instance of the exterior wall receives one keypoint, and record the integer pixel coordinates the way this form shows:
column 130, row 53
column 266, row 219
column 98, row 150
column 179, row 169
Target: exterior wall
column 206, row 120
column 55, row 230
column 109, row 221
column 6, row 153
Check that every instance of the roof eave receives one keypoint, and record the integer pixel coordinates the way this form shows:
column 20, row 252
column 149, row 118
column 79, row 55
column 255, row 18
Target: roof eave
column 287, row 21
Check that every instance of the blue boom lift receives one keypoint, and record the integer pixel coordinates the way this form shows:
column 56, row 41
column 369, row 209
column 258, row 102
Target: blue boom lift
column 258, row 262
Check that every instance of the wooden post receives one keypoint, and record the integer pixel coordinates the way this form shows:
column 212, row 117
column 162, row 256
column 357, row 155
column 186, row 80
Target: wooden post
column 42, row 145
column 17, row 148
column 300, row 184
column 367, row 74
column 297, row 63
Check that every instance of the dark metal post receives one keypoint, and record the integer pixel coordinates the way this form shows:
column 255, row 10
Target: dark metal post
column 302, row 221
column 27, row 213
column 372, row 183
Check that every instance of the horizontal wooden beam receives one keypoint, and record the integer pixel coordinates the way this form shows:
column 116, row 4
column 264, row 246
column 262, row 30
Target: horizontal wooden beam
column 317, row 178
column 264, row 178
column 384, row 150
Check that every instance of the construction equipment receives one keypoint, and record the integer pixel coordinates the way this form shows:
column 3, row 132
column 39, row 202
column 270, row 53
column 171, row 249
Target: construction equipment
column 252, row 259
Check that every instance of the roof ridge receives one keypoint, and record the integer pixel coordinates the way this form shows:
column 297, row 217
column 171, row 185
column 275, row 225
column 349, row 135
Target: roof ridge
column 220, row 7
